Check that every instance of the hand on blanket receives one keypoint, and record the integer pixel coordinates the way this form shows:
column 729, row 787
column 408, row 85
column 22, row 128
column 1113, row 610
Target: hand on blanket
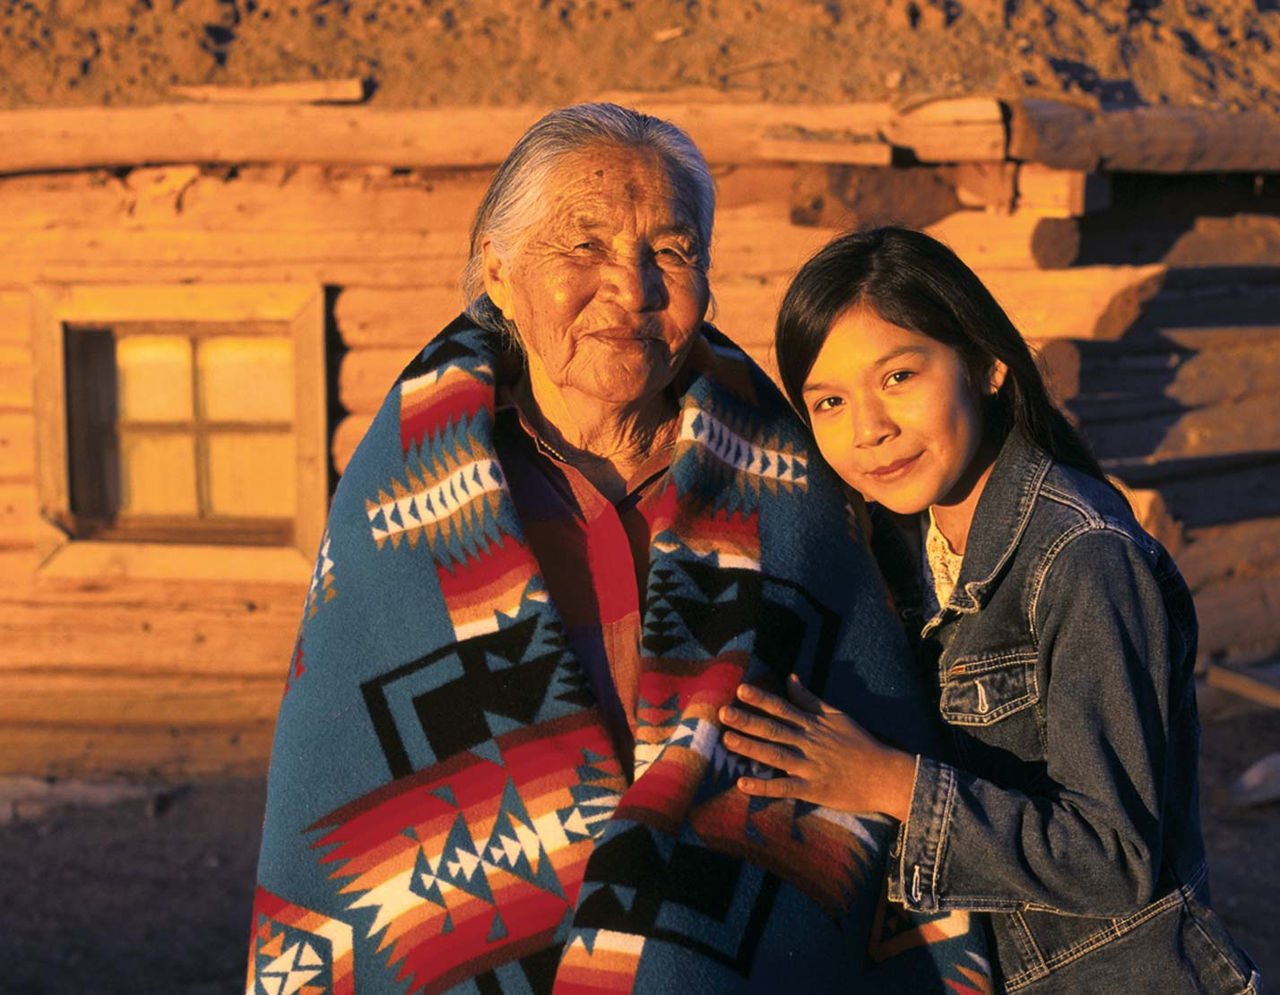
column 828, row 759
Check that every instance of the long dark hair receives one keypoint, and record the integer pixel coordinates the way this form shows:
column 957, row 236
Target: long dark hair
column 915, row 282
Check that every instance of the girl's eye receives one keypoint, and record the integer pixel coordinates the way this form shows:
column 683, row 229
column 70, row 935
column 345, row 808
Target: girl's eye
column 898, row 376
column 828, row 403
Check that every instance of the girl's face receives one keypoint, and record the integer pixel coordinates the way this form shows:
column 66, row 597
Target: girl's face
column 895, row 415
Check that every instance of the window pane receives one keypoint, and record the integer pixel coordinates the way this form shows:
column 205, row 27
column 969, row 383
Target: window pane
column 246, row 379
column 155, row 378
column 158, row 474
column 252, row 475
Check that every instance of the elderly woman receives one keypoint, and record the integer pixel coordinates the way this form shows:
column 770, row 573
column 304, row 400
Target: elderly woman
column 580, row 520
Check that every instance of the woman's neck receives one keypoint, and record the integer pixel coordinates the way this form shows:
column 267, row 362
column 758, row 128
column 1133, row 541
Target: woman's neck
column 606, row 442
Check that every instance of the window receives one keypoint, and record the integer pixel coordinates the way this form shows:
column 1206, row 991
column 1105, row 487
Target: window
column 182, row 428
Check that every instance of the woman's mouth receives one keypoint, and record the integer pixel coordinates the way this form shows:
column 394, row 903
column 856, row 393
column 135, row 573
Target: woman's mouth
column 894, row 470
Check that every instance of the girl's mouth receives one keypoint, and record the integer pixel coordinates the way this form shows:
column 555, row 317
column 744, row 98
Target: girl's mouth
column 894, row 470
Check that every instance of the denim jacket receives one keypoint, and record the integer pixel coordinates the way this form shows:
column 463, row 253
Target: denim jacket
column 1068, row 805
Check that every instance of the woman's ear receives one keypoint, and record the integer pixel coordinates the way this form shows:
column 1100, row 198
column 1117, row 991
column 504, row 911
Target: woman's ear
column 496, row 282
column 995, row 378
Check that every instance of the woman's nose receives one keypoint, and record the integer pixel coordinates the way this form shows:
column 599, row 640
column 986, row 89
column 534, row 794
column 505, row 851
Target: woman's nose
column 637, row 284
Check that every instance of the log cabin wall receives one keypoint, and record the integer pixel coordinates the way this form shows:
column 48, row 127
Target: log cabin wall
column 1151, row 290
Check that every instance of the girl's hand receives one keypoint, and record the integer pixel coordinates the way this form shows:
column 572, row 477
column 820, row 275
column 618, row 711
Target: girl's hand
column 828, row 758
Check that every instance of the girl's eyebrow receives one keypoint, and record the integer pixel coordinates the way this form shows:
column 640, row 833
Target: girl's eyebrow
column 888, row 357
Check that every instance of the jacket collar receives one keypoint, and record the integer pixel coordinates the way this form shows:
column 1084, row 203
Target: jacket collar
column 1001, row 517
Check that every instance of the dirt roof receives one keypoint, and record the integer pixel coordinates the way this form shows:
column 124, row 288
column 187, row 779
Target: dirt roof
column 419, row 53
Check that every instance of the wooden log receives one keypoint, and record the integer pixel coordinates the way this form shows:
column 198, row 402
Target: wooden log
column 988, row 185
column 171, row 753
column 1238, row 620
column 143, row 247
column 77, row 138
column 228, row 598
column 1144, row 139
column 377, row 316
column 310, row 91
column 1053, row 133
column 15, row 317
column 958, row 130
column 346, row 437
column 17, row 378
column 1209, row 491
column 366, row 375
column 827, row 149
column 19, row 512
column 152, row 638
column 17, row 447
column 272, row 197
column 1172, row 370
column 1090, row 302
column 1189, row 140
column 121, row 699
column 1246, row 685
column 984, row 241
column 1085, row 302
column 1060, row 193
column 1249, row 425
column 759, row 240
column 1220, row 553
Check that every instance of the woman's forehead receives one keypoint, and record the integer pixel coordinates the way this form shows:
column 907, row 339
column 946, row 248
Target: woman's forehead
column 597, row 187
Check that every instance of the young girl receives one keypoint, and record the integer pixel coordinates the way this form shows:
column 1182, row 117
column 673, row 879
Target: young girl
column 1061, row 635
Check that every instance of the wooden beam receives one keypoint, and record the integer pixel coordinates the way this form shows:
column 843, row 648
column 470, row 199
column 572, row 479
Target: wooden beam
column 311, row 91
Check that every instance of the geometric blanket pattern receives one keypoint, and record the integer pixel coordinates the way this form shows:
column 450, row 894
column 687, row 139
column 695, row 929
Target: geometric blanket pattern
column 445, row 806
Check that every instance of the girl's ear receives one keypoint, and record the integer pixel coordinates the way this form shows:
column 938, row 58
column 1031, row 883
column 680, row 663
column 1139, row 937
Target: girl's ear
column 995, row 378
column 496, row 283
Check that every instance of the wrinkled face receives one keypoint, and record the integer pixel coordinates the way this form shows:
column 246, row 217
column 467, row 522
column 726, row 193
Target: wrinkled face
column 894, row 413
column 607, row 289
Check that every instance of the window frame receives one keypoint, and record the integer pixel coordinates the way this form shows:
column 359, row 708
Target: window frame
column 299, row 306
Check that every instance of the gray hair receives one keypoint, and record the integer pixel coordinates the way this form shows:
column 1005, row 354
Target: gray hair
column 515, row 198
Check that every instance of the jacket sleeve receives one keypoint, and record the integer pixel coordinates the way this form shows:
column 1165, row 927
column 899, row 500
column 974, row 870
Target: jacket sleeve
column 1089, row 842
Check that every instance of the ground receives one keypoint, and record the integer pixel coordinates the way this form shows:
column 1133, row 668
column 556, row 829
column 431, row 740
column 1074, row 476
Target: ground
column 449, row 52
column 154, row 895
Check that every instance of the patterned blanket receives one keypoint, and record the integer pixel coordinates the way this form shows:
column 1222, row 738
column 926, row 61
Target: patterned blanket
column 445, row 808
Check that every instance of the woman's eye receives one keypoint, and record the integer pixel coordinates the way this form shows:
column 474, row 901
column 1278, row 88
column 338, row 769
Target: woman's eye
column 671, row 254
column 827, row 404
column 899, row 376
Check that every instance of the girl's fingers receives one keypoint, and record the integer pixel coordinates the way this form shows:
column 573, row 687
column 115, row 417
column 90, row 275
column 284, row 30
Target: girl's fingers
column 766, row 753
column 760, row 726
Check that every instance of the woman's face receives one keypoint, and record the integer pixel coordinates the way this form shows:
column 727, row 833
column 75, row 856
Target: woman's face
column 894, row 413
column 607, row 288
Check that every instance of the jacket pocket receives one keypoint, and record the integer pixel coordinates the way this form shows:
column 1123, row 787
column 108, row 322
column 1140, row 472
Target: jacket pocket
column 979, row 691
